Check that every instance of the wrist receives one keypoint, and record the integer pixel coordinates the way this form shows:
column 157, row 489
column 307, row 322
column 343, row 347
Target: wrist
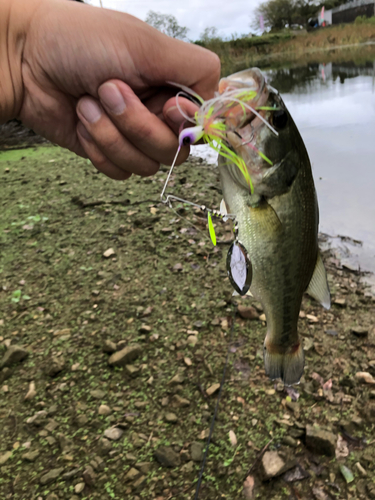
column 15, row 16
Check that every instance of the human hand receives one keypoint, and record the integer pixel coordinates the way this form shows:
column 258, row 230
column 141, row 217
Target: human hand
column 94, row 81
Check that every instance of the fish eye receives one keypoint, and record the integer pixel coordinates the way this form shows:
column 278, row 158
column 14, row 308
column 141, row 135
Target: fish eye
column 280, row 118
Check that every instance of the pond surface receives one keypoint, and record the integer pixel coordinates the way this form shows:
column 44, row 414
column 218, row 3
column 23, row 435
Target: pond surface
column 333, row 105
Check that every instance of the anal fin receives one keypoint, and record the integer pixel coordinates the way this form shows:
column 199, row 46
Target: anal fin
column 318, row 288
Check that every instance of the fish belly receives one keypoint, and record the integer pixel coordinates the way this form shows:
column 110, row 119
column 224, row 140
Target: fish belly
column 280, row 237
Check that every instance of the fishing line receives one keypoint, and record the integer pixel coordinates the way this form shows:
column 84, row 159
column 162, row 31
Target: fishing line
column 216, row 409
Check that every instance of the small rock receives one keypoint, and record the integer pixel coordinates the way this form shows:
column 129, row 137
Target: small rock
column 177, row 379
column 247, row 312
column 196, row 451
column 51, row 476
column 104, row 410
column 179, row 402
column 132, row 370
column 272, row 465
column 114, row 434
column 248, row 488
column 167, row 457
column 109, row 253
column 171, row 418
column 320, row 441
column 340, row 302
column 5, row 457
column 125, row 356
column 144, row 329
column 38, row 418
column 290, row 441
column 65, row 443
column 232, row 438
column 89, row 476
column 144, row 467
column 81, row 420
column 31, row 392
column 15, row 354
column 360, row 469
column 104, row 446
column 52, row 496
column 188, row 361
column 360, row 331
column 51, row 426
column 70, row 474
column 109, row 347
column 312, row 318
column 54, row 366
column 78, row 488
column 333, row 333
column 138, row 483
column 98, row 394
column 192, row 340
column 262, row 317
column 188, row 467
column 365, row 377
column 131, row 475
column 212, row 389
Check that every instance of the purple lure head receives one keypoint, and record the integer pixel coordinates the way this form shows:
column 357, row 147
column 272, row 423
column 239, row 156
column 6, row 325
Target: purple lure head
column 190, row 135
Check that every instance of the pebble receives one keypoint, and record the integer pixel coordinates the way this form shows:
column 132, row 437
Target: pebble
column 114, row 434
column 31, row 392
column 5, row 457
column 109, row 347
column 54, row 366
column 365, row 377
column 320, row 441
column 14, row 354
column 177, row 379
column 78, row 488
column 167, row 457
column 360, row 331
column 125, row 356
column 272, row 465
column 131, row 475
column 192, row 340
column 132, row 370
column 360, row 469
column 179, row 402
column 89, row 476
column 171, row 418
column 38, row 418
column 247, row 312
column 51, row 476
column 144, row 329
column 98, row 394
column 109, row 253
column 104, row 410
column 340, row 302
column 262, row 317
column 196, row 451
column 212, row 389
column 188, row 361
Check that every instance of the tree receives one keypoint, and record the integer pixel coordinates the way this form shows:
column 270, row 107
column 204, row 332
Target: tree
column 167, row 24
column 276, row 13
column 208, row 34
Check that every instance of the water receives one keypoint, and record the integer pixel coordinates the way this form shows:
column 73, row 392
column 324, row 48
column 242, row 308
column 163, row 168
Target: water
column 333, row 105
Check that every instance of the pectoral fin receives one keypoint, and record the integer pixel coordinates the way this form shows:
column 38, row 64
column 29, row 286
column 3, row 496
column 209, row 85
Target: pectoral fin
column 318, row 288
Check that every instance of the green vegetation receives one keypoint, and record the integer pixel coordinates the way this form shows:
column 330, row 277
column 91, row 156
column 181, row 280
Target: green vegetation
column 166, row 275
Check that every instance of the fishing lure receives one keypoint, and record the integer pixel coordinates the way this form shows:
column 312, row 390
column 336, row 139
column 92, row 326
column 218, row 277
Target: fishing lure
column 215, row 118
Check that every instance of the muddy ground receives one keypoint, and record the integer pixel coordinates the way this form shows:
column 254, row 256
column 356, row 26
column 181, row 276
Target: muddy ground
column 115, row 324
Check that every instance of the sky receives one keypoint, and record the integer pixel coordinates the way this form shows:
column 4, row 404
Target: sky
column 228, row 16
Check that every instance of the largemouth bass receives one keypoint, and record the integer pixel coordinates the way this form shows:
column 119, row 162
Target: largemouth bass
column 278, row 223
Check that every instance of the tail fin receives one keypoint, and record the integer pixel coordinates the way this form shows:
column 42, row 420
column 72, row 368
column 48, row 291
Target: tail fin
column 285, row 365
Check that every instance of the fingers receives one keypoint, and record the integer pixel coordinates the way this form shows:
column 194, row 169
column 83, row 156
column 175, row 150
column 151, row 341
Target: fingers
column 120, row 135
column 97, row 157
column 138, row 124
column 174, row 117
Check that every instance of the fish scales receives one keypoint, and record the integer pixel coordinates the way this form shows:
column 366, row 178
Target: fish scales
column 278, row 226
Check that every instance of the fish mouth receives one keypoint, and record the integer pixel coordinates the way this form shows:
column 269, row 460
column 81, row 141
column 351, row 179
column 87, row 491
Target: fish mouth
column 240, row 125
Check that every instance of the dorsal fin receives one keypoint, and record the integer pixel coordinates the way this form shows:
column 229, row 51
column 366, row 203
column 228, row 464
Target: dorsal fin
column 318, row 288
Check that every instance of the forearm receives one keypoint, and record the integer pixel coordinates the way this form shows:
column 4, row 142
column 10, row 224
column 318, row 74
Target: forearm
column 15, row 17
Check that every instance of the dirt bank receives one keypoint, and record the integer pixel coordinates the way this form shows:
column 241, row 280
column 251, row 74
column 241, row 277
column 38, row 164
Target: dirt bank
column 96, row 426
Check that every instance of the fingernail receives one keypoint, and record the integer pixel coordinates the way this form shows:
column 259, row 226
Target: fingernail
column 174, row 115
column 112, row 98
column 83, row 132
column 90, row 110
